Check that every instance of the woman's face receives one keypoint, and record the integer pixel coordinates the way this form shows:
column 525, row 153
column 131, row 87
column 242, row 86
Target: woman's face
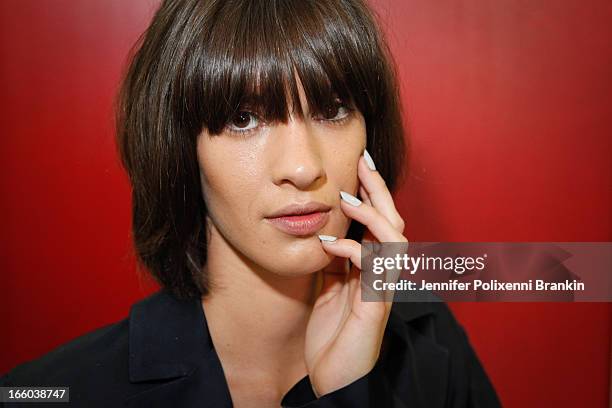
column 249, row 178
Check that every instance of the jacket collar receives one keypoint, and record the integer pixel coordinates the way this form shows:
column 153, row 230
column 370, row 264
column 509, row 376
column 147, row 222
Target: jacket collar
column 168, row 337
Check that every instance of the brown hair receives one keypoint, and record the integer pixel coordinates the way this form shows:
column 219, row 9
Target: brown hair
column 198, row 62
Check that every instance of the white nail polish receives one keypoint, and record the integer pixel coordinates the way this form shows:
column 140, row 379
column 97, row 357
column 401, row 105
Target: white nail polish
column 352, row 200
column 328, row 238
column 368, row 160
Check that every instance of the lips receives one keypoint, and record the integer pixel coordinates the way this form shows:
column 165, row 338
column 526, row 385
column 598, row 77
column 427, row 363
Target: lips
column 300, row 219
column 298, row 209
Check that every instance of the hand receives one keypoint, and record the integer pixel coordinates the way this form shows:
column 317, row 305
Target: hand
column 344, row 334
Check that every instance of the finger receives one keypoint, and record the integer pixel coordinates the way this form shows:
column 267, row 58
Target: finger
column 380, row 227
column 366, row 303
column 378, row 194
column 367, row 298
column 364, row 195
column 345, row 248
column 350, row 249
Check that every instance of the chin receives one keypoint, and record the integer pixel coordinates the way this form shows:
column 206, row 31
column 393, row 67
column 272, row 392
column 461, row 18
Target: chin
column 302, row 260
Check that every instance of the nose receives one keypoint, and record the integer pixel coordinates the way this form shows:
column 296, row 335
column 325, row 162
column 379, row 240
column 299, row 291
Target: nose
column 297, row 156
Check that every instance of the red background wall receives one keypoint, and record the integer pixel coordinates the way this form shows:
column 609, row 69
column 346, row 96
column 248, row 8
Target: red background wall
column 508, row 105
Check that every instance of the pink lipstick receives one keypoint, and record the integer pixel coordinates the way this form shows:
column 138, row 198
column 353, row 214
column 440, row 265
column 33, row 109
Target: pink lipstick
column 303, row 224
column 301, row 219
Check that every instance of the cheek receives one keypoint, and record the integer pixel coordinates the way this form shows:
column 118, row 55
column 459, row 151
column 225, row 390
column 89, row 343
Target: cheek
column 343, row 160
column 343, row 171
column 228, row 177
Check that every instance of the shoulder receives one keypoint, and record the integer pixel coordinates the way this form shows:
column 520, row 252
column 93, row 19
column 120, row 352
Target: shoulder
column 88, row 362
column 442, row 350
column 434, row 321
column 433, row 315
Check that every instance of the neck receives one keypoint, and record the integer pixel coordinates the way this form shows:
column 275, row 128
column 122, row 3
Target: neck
column 257, row 319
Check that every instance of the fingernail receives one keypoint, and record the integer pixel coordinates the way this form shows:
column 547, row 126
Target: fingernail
column 368, row 160
column 352, row 200
column 328, row 238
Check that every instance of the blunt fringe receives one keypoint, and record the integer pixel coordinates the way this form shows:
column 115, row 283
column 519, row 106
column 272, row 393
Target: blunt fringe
column 197, row 64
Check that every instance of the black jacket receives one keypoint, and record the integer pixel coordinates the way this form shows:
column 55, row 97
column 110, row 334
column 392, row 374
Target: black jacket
column 162, row 356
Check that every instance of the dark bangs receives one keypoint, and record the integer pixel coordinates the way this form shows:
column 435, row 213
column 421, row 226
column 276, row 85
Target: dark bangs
column 251, row 52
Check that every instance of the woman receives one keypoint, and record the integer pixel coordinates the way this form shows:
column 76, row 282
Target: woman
column 248, row 129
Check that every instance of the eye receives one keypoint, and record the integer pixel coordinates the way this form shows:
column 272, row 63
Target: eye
column 243, row 121
column 337, row 111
